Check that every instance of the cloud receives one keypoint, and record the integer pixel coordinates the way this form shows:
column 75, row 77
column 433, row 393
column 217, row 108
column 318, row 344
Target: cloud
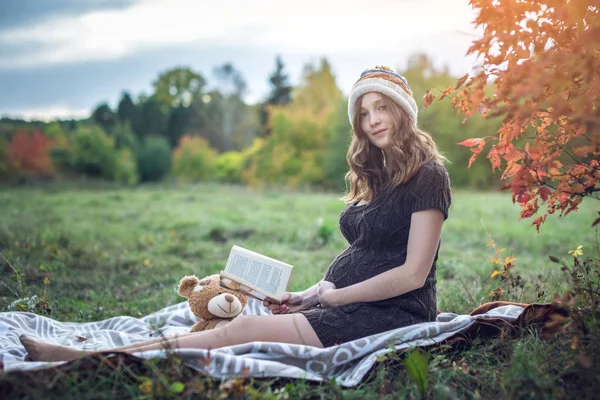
column 47, row 113
column 307, row 27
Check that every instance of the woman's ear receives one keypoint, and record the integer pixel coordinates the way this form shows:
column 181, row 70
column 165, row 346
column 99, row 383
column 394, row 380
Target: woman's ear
column 186, row 285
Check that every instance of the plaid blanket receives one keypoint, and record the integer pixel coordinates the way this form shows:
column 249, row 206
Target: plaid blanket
column 348, row 362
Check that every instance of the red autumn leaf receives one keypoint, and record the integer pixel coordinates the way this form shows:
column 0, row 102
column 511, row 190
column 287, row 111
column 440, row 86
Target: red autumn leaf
column 471, row 142
column 480, row 143
column 446, row 92
column 538, row 222
column 428, row 99
column 544, row 192
column 494, row 159
column 472, row 160
column 462, row 80
column 523, row 198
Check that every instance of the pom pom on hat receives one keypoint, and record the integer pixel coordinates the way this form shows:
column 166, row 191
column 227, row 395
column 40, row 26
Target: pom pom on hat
column 383, row 80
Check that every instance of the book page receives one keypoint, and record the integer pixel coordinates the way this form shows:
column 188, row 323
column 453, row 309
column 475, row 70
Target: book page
column 246, row 289
column 263, row 273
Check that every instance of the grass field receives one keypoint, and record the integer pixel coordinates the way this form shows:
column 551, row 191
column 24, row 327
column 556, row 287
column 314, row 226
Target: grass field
column 95, row 251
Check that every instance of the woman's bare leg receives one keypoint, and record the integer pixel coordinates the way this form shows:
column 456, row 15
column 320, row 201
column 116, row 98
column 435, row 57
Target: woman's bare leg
column 163, row 339
column 42, row 351
column 287, row 328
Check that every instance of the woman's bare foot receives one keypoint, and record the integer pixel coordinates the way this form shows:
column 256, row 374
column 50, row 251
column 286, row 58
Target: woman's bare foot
column 40, row 351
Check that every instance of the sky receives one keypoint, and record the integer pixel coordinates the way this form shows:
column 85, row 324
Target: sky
column 61, row 58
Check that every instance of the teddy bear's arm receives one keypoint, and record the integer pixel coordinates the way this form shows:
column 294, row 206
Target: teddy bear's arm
column 205, row 325
column 200, row 326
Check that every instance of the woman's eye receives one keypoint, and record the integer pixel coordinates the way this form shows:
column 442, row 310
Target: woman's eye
column 381, row 108
column 362, row 115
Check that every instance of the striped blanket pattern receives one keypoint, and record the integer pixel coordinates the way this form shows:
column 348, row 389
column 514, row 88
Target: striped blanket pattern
column 348, row 362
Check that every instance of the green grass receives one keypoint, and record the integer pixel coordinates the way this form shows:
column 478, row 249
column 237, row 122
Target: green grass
column 111, row 251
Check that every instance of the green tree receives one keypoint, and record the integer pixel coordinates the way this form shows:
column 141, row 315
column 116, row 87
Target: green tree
column 281, row 91
column 153, row 120
column 177, row 124
column 232, row 87
column 317, row 91
column 105, row 117
column 128, row 112
column 124, row 137
column 281, row 94
column 54, row 130
column 154, row 158
column 90, row 151
column 71, row 125
column 204, row 119
column 295, row 152
column 177, row 87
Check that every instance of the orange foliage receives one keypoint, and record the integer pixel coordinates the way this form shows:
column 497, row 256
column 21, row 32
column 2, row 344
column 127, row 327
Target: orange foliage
column 543, row 57
column 30, row 152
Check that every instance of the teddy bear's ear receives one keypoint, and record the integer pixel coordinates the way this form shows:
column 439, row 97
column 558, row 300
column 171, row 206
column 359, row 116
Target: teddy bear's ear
column 186, row 285
column 205, row 281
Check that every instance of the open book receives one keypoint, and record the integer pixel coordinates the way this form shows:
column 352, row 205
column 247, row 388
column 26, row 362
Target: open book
column 260, row 276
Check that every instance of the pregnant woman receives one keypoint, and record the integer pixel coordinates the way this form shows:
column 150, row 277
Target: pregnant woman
column 398, row 199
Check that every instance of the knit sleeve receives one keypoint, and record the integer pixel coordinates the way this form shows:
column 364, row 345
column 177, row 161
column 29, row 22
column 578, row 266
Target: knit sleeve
column 430, row 188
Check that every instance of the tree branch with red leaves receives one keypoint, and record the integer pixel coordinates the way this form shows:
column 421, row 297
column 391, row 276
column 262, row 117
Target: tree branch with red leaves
column 542, row 58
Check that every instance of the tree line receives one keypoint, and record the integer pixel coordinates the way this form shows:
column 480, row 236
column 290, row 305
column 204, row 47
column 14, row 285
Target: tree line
column 190, row 130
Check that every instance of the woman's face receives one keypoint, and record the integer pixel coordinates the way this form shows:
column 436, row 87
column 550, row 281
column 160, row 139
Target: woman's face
column 375, row 119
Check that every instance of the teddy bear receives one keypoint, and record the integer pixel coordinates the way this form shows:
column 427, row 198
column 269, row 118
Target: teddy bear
column 210, row 301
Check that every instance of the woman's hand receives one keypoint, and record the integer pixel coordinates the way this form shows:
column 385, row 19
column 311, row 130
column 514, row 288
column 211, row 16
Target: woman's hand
column 290, row 303
column 326, row 294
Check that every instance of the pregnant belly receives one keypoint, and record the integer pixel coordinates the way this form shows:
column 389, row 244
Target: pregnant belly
column 355, row 265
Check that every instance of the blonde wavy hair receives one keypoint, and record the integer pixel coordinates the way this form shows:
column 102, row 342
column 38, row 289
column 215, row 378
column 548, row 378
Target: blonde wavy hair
column 371, row 174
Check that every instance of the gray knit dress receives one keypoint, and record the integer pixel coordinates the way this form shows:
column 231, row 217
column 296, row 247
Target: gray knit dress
column 378, row 236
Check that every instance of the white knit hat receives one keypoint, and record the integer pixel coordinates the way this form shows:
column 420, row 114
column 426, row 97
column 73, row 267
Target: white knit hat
column 385, row 81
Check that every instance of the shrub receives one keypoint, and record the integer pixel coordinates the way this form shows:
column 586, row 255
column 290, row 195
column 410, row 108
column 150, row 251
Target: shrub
column 250, row 156
column 125, row 168
column 154, row 158
column 293, row 154
column 124, row 137
column 54, row 131
column 91, row 152
column 228, row 166
column 62, row 155
column 194, row 159
column 30, row 153
column 5, row 166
